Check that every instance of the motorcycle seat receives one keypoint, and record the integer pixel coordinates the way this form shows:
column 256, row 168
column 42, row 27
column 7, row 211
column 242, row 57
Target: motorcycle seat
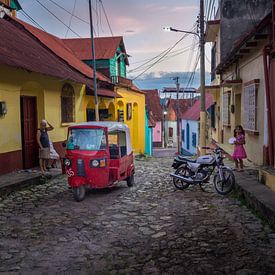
column 184, row 158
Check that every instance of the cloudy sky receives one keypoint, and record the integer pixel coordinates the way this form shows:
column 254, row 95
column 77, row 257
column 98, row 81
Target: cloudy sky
column 140, row 22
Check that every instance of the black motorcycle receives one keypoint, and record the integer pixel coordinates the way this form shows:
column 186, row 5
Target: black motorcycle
column 198, row 171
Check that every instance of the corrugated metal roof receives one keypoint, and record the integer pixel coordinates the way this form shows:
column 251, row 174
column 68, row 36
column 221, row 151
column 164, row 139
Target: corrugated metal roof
column 26, row 47
column 105, row 47
column 152, row 102
column 193, row 113
column 56, row 45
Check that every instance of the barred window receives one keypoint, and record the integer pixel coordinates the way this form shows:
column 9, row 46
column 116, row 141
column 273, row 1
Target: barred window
column 250, row 107
column 67, row 104
column 226, row 108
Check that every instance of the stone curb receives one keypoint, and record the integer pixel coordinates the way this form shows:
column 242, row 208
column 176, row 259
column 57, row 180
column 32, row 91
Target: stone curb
column 257, row 196
column 21, row 184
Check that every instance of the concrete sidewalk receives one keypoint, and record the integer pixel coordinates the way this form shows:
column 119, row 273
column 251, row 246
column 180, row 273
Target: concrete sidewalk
column 164, row 152
column 23, row 178
column 258, row 196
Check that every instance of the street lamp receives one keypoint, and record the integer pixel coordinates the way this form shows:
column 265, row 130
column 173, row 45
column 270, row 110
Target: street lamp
column 170, row 29
column 202, row 75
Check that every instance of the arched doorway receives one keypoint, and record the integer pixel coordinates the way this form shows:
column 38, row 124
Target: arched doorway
column 187, row 136
column 112, row 111
column 90, row 111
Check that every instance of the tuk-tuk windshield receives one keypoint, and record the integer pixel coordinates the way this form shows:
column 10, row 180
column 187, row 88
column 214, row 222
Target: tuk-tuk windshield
column 86, row 139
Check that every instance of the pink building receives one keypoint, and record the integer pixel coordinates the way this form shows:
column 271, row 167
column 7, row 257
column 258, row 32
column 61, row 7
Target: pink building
column 153, row 106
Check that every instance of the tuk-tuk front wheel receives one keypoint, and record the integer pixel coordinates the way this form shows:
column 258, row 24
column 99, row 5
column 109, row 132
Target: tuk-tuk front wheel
column 79, row 193
column 130, row 180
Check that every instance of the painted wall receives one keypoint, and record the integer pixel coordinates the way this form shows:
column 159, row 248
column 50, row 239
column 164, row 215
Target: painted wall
column 148, row 137
column 47, row 90
column 193, row 129
column 171, row 124
column 137, row 122
column 249, row 68
column 157, row 132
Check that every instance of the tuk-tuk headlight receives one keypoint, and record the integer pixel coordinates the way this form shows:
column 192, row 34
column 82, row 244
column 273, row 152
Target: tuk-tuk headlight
column 67, row 162
column 95, row 163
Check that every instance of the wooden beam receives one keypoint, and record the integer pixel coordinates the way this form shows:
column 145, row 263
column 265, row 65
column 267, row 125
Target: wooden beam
column 243, row 51
column 260, row 36
column 251, row 44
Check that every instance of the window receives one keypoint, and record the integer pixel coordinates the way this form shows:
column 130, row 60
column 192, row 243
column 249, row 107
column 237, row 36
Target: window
column 194, row 139
column 67, row 104
column 120, row 116
column 212, row 112
column 170, row 132
column 226, row 108
column 250, row 107
column 86, row 139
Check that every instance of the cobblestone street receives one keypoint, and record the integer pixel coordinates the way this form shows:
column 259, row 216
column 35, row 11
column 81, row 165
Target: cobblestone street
column 150, row 228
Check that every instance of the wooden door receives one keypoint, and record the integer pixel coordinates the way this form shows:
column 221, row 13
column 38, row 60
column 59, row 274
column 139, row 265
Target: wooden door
column 29, row 130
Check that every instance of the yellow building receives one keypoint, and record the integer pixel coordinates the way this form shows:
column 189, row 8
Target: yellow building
column 39, row 79
column 129, row 105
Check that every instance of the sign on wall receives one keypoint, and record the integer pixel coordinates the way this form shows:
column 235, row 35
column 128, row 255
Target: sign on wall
column 129, row 111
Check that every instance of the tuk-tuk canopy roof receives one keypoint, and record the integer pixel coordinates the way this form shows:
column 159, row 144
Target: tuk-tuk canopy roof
column 112, row 127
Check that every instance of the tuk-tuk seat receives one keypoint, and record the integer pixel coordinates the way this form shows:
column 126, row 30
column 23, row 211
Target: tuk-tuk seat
column 114, row 151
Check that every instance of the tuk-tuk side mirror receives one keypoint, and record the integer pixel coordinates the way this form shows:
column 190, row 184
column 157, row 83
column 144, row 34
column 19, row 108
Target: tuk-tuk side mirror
column 64, row 144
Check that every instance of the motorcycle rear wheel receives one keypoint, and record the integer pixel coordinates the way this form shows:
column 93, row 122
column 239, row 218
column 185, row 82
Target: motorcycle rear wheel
column 180, row 184
column 224, row 187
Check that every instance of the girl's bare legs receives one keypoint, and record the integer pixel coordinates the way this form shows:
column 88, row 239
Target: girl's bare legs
column 236, row 164
column 241, row 165
column 41, row 163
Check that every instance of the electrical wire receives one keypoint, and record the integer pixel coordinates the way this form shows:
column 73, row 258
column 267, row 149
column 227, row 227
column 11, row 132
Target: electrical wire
column 157, row 61
column 155, row 57
column 24, row 13
column 57, row 18
column 106, row 17
column 71, row 18
column 67, row 11
column 168, row 57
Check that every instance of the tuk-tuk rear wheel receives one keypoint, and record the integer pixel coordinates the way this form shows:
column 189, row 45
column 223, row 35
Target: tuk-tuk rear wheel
column 130, row 180
column 79, row 193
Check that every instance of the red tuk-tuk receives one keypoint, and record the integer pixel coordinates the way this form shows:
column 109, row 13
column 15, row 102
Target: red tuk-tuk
column 98, row 155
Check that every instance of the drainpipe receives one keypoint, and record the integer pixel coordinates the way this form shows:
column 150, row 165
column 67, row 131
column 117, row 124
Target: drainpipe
column 266, row 52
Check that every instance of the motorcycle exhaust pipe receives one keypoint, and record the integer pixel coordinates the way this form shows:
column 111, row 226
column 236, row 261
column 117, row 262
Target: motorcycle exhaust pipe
column 185, row 179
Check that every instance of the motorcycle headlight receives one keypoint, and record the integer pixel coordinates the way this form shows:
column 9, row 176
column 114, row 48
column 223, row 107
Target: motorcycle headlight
column 67, row 162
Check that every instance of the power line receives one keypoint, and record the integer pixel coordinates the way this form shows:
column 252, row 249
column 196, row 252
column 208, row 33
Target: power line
column 71, row 18
column 57, row 18
column 31, row 19
column 79, row 18
column 169, row 57
column 153, row 58
column 105, row 14
column 157, row 61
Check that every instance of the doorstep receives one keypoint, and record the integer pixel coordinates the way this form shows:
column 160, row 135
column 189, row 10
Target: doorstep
column 267, row 177
column 23, row 178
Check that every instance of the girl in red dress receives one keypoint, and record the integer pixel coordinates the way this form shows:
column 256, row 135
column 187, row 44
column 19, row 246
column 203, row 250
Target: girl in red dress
column 239, row 151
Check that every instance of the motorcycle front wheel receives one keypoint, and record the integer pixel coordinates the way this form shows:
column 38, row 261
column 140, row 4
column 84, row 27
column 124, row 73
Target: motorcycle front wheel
column 226, row 185
column 180, row 184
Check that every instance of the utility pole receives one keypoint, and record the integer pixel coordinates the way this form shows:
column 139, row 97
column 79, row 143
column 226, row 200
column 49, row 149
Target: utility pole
column 94, row 63
column 178, row 113
column 202, row 81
